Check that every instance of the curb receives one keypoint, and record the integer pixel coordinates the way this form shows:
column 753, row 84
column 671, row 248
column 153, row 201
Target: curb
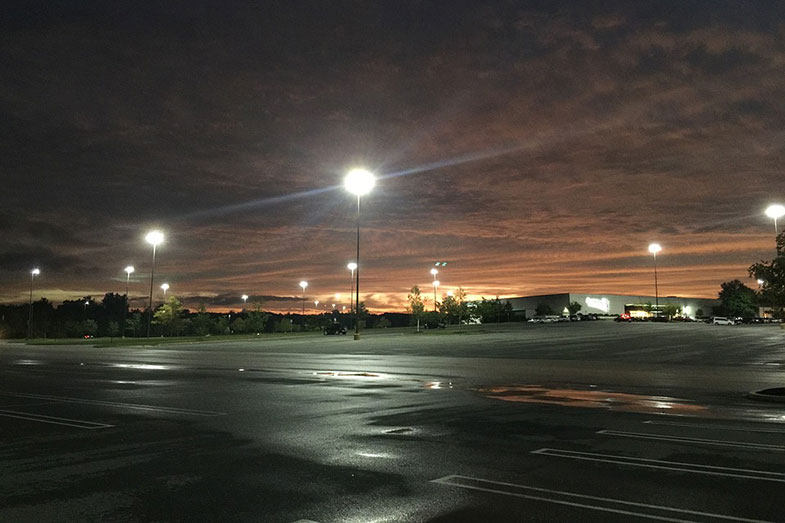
column 776, row 395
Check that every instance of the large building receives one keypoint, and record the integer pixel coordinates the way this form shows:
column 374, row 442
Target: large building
column 609, row 304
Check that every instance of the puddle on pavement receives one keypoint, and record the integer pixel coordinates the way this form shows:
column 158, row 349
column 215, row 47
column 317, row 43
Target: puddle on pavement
column 619, row 401
column 344, row 374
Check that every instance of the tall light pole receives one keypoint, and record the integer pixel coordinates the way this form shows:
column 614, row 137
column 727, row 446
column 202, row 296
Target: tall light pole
column 154, row 238
column 35, row 272
column 434, row 272
column 304, row 285
column 128, row 271
column 358, row 182
column 775, row 212
column 654, row 248
column 245, row 300
column 352, row 267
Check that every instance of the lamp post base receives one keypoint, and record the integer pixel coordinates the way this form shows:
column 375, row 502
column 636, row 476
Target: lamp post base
column 357, row 336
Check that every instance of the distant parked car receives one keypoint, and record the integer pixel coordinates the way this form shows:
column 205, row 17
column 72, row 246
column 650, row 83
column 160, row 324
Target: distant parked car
column 334, row 328
column 434, row 325
column 722, row 320
column 623, row 317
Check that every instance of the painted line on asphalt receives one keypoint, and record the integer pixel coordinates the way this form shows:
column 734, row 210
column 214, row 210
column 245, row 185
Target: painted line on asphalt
column 54, row 420
column 136, row 406
column 664, row 465
column 719, row 427
column 682, row 439
column 561, row 497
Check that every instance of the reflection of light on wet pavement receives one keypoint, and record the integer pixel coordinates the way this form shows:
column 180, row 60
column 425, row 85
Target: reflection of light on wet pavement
column 348, row 374
column 435, row 385
column 621, row 401
column 374, row 455
column 28, row 362
column 142, row 366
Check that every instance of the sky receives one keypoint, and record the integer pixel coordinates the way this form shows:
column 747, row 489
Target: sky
column 536, row 147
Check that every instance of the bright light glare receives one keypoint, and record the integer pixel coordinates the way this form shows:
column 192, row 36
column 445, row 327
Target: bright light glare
column 352, row 266
column 775, row 211
column 165, row 286
column 244, row 297
column 761, row 282
column 337, row 295
column 154, row 237
column 359, row 182
column 434, row 272
column 436, row 283
column 303, row 284
column 129, row 269
column 654, row 248
column 35, row 272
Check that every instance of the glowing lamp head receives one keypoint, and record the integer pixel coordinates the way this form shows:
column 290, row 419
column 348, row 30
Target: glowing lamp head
column 244, row 297
column 303, row 284
column 775, row 211
column 434, row 272
column 35, row 272
column 129, row 270
column 359, row 182
column 654, row 248
column 352, row 266
column 154, row 238
column 165, row 287
column 761, row 282
column 315, row 303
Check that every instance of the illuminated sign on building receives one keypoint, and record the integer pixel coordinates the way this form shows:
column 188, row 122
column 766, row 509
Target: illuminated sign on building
column 601, row 304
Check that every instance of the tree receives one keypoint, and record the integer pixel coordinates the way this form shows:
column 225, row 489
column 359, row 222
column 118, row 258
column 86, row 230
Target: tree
column 455, row 307
column 170, row 316
column 383, row 323
column 543, row 309
column 738, row 299
column 416, row 306
column 257, row 320
column 574, row 307
column 113, row 329
column 772, row 274
column 201, row 322
column 493, row 311
column 670, row 310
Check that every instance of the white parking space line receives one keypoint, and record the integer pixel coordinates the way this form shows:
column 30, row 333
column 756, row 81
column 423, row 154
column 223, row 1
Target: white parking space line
column 560, row 497
column 54, row 420
column 702, row 441
column 137, row 406
column 664, row 465
column 718, row 427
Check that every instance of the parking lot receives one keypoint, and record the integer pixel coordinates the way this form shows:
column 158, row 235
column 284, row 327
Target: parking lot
column 590, row 421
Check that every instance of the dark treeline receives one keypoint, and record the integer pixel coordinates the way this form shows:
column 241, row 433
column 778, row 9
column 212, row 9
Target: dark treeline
column 111, row 317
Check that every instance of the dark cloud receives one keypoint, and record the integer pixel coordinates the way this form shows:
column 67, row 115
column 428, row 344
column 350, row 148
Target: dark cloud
column 546, row 143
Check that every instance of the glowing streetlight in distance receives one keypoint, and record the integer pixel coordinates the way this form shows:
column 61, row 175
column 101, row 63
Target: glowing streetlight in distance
column 359, row 181
column 244, row 297
column 352, row 266
column 654, row 248
column 35, row 272
column 165, row 287
column 434, row 272
column 130, row 269
column 775, row 211
column 154, row 238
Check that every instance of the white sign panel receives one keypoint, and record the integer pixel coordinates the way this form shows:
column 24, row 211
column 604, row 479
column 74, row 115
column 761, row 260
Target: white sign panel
column 601, row 304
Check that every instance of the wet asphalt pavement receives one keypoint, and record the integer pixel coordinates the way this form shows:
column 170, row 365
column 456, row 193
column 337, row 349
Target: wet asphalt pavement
column 592, row 421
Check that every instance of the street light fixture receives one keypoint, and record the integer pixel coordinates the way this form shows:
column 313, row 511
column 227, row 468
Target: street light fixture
column 154, row 238
column 165, row 287
column 352, row 267
column 304, row 284
column 358, row 182
column 654, row 248
column 775, row 212
column 245, row 299
column 35, row 272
